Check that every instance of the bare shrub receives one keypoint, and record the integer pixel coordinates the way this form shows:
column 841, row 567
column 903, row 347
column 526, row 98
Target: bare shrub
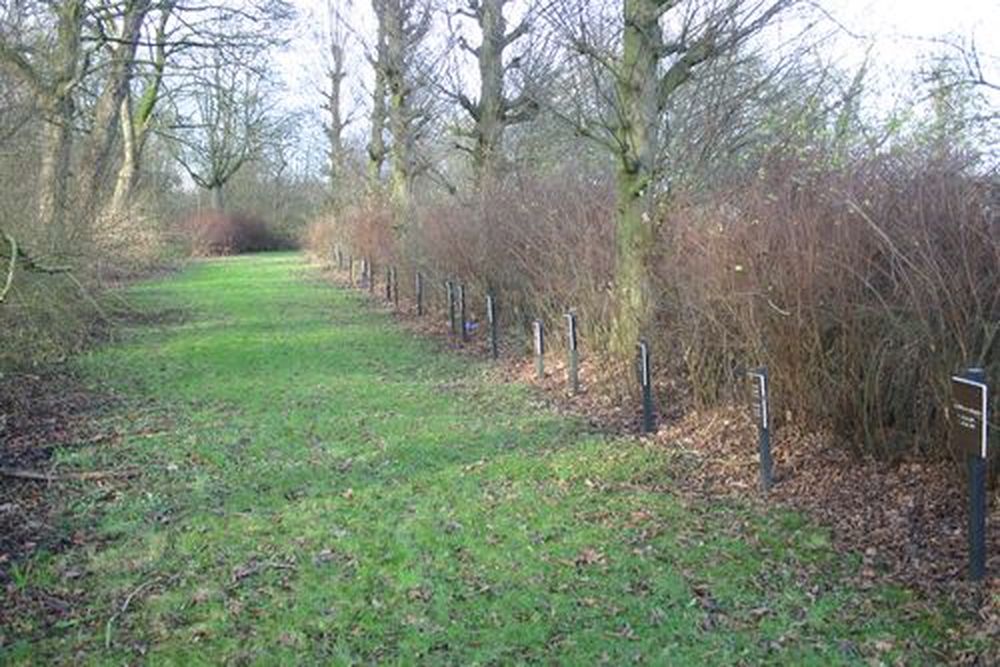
column 862, row 288
column 126, row 244
column 215, row 233
column 541, row 245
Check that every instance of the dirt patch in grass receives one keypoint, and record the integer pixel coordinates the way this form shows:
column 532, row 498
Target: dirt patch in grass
column 39, row 413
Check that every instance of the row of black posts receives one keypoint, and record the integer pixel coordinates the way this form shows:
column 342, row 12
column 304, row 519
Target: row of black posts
column 970, row 421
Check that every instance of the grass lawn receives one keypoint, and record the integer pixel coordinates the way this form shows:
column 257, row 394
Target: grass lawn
column 321, row 487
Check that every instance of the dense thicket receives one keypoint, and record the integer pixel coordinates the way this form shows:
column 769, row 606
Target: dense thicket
column 784, row 218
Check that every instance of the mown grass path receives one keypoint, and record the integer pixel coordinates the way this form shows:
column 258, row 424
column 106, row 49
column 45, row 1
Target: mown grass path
column 331, row 490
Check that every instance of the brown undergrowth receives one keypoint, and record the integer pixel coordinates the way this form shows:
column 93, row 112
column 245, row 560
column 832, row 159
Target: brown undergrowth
column 42, row 412
column 39, row 414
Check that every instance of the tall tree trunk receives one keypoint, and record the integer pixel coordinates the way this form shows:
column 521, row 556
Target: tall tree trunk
column 128, row 171
column 60, row 110
column 399, row 109
column 336, row 127
column 638, row 137
column 137, row 123
column 54, row 175
column 218, row 200
column 376, row 144
column 97, row 153
column 336, row 123
column 490, row 121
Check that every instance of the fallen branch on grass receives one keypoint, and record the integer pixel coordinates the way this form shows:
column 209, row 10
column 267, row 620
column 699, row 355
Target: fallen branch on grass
column 109, row 626
column 29, row 262
column 255, row 568
column 88, row 476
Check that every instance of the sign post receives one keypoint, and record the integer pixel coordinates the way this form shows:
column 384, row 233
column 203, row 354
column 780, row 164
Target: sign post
column 395, row 288
column 461, row 313
column 539, row 349
column 450, row 289
column 970, row 434
column 419, row 287
column 573, row 376
column 646, row 384
column 388, row 283
column 760, row 397
column 491, row 316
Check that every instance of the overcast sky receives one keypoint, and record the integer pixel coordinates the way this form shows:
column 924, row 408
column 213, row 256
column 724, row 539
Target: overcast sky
column 896, row 34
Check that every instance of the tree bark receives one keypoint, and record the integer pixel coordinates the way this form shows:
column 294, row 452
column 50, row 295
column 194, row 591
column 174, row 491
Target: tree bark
column 54, row 174
column 398, row 89
column 218, row 199
column 376, row 144
column 56, row 99
column 490, row 121
column 638, row 139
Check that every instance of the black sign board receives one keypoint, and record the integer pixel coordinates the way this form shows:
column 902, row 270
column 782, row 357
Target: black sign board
column 461, row 313
column 450, row 289
column 969, row 406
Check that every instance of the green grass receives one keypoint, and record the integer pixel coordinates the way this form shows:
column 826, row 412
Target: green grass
column 322, row 487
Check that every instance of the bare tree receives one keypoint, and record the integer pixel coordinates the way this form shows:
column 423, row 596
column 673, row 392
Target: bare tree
column 176, row 40
column 336, row 122
column 495, row 109
column 640, row 53
column 221, row 123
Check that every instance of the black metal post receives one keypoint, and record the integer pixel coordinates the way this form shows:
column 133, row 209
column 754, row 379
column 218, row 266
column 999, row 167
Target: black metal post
column 646, row 384
column 461, row 313
column 573, row 371
column 371, row 276
column 450, row 288
column 762, row 415
column 971, row 430
column 388, row 283
column 419, row 286
column 395, row 288
column 491, row 316
column 539, row 331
